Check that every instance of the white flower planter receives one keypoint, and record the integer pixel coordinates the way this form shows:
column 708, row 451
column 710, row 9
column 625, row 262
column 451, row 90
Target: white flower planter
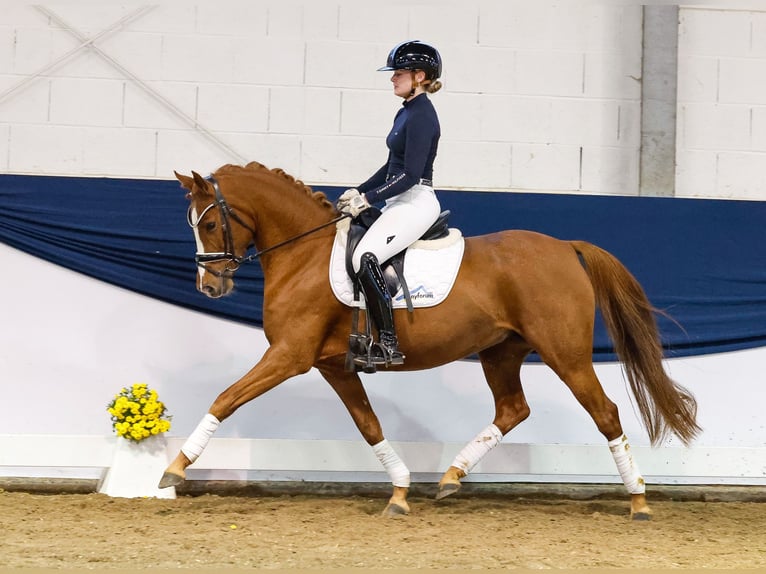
column 136, row 469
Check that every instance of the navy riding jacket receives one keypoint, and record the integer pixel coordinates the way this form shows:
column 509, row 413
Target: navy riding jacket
column 412, row 145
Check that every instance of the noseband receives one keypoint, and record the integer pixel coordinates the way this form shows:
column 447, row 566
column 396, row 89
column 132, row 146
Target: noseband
column 228, row 215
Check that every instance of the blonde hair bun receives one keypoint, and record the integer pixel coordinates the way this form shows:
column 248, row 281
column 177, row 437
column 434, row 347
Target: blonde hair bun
column 434, row 87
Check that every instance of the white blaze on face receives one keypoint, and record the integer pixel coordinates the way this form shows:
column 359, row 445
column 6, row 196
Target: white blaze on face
column 198, row 241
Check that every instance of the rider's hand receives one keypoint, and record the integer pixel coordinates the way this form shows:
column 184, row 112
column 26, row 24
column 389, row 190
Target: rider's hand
column 352, row 202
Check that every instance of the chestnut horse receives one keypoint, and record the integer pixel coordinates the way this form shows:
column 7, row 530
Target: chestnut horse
column 515, row 292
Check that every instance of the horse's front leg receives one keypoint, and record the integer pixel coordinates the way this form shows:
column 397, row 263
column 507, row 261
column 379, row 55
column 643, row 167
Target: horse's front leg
column 274, row 368
column 349, row 388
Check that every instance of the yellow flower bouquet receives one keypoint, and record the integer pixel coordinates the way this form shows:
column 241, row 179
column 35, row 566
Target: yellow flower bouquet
column 137, row 413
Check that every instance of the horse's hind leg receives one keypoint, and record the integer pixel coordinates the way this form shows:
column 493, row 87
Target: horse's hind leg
column 502, row 368
column 349, row 388
column 587, row 389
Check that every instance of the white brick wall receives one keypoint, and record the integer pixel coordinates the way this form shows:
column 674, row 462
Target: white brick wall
column 537, row 97
column 721, row 143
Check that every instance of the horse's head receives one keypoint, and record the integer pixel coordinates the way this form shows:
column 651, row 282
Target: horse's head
column 222, row 236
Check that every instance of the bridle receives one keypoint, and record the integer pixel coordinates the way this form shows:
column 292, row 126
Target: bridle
column 227, row 216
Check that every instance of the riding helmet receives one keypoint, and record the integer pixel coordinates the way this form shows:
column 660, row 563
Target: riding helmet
column 415, row 55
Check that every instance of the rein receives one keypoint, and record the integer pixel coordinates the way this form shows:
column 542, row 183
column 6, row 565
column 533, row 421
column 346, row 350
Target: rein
column 228, row 253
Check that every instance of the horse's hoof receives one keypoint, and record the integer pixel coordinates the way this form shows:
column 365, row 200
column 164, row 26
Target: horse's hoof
column 394, row 509
column 170, row 479
column 640, row 516
column 447, row 489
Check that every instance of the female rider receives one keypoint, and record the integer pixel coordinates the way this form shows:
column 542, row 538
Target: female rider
column 404, row 183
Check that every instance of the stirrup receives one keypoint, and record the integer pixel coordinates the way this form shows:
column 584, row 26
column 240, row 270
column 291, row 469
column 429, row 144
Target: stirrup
column 389, row 348
column 379, row 355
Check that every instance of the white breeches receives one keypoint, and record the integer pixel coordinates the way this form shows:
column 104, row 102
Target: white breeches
column 405, row 218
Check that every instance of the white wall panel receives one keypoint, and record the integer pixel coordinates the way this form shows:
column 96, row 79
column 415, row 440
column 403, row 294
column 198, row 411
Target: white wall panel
column 367, row 114
column 697, row 170
column 758, row 128
column 609, row 75
column 460, row 116
column 7, row 47
column 340, row 161
column 198, row 58
column 542, row 167
column 289, row 19
column 448, row 23
column 742, row 81
column 273, row 150
column 268, row 61
column 139, row 53
column 606, row 169
column 698, row 79
column 233, row 108
column 46, row 149
column 244, row 19
column 320, row 19
column 474, row 165
column 28, row 103
column 736, row 175
column 102, row 151
column 479, row 70
column 309, row 111
column 721, row 90
column 715, row 127
column 758, row 34
column 716, row 32
column 340, row 65
column 563, row 73
column 143, row 110
column 363, row 22
column 590, row 122
column 5, row 136
column 87, row 102
column 516, row 119
column 178, row 150
column 32, row 48
column 170, row 18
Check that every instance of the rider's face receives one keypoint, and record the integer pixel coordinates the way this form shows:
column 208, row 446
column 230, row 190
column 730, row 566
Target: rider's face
column 402, row 80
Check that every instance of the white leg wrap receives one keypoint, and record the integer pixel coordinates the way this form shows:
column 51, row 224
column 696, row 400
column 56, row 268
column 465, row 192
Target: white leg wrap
column 396, row 469
column 475, row 450
column 198, row 440
column 626, row 466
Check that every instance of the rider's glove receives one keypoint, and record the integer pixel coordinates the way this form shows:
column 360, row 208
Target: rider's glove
column 352, row 202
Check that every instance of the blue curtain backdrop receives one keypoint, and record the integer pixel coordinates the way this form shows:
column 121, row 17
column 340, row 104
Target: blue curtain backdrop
column 702, row 261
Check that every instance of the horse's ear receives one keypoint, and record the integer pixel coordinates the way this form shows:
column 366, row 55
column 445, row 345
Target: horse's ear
column 185, row 180
column 200, row 181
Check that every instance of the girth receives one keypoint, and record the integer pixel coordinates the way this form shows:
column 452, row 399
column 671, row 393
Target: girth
column 393, row 268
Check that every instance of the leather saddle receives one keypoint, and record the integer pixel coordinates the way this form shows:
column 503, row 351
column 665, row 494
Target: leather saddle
column 393, row 268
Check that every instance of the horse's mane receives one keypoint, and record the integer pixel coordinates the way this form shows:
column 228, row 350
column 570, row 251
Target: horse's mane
column 255, row 167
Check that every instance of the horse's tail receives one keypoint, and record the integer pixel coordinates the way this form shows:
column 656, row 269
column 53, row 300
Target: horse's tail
column 664, row 405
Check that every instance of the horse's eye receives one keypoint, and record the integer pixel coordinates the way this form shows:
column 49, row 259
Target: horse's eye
column 210, row 226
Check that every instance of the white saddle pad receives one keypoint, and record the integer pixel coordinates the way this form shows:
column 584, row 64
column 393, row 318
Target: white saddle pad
column 430, row 269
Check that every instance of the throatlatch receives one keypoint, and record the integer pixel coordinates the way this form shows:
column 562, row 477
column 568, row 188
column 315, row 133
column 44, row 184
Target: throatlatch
column 363, row 350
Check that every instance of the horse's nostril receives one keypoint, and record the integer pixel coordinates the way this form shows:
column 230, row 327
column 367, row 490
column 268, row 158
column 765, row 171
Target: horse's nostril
column 209, row 290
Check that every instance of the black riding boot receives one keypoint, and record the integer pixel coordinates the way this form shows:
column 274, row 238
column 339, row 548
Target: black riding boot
column 379, row 308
